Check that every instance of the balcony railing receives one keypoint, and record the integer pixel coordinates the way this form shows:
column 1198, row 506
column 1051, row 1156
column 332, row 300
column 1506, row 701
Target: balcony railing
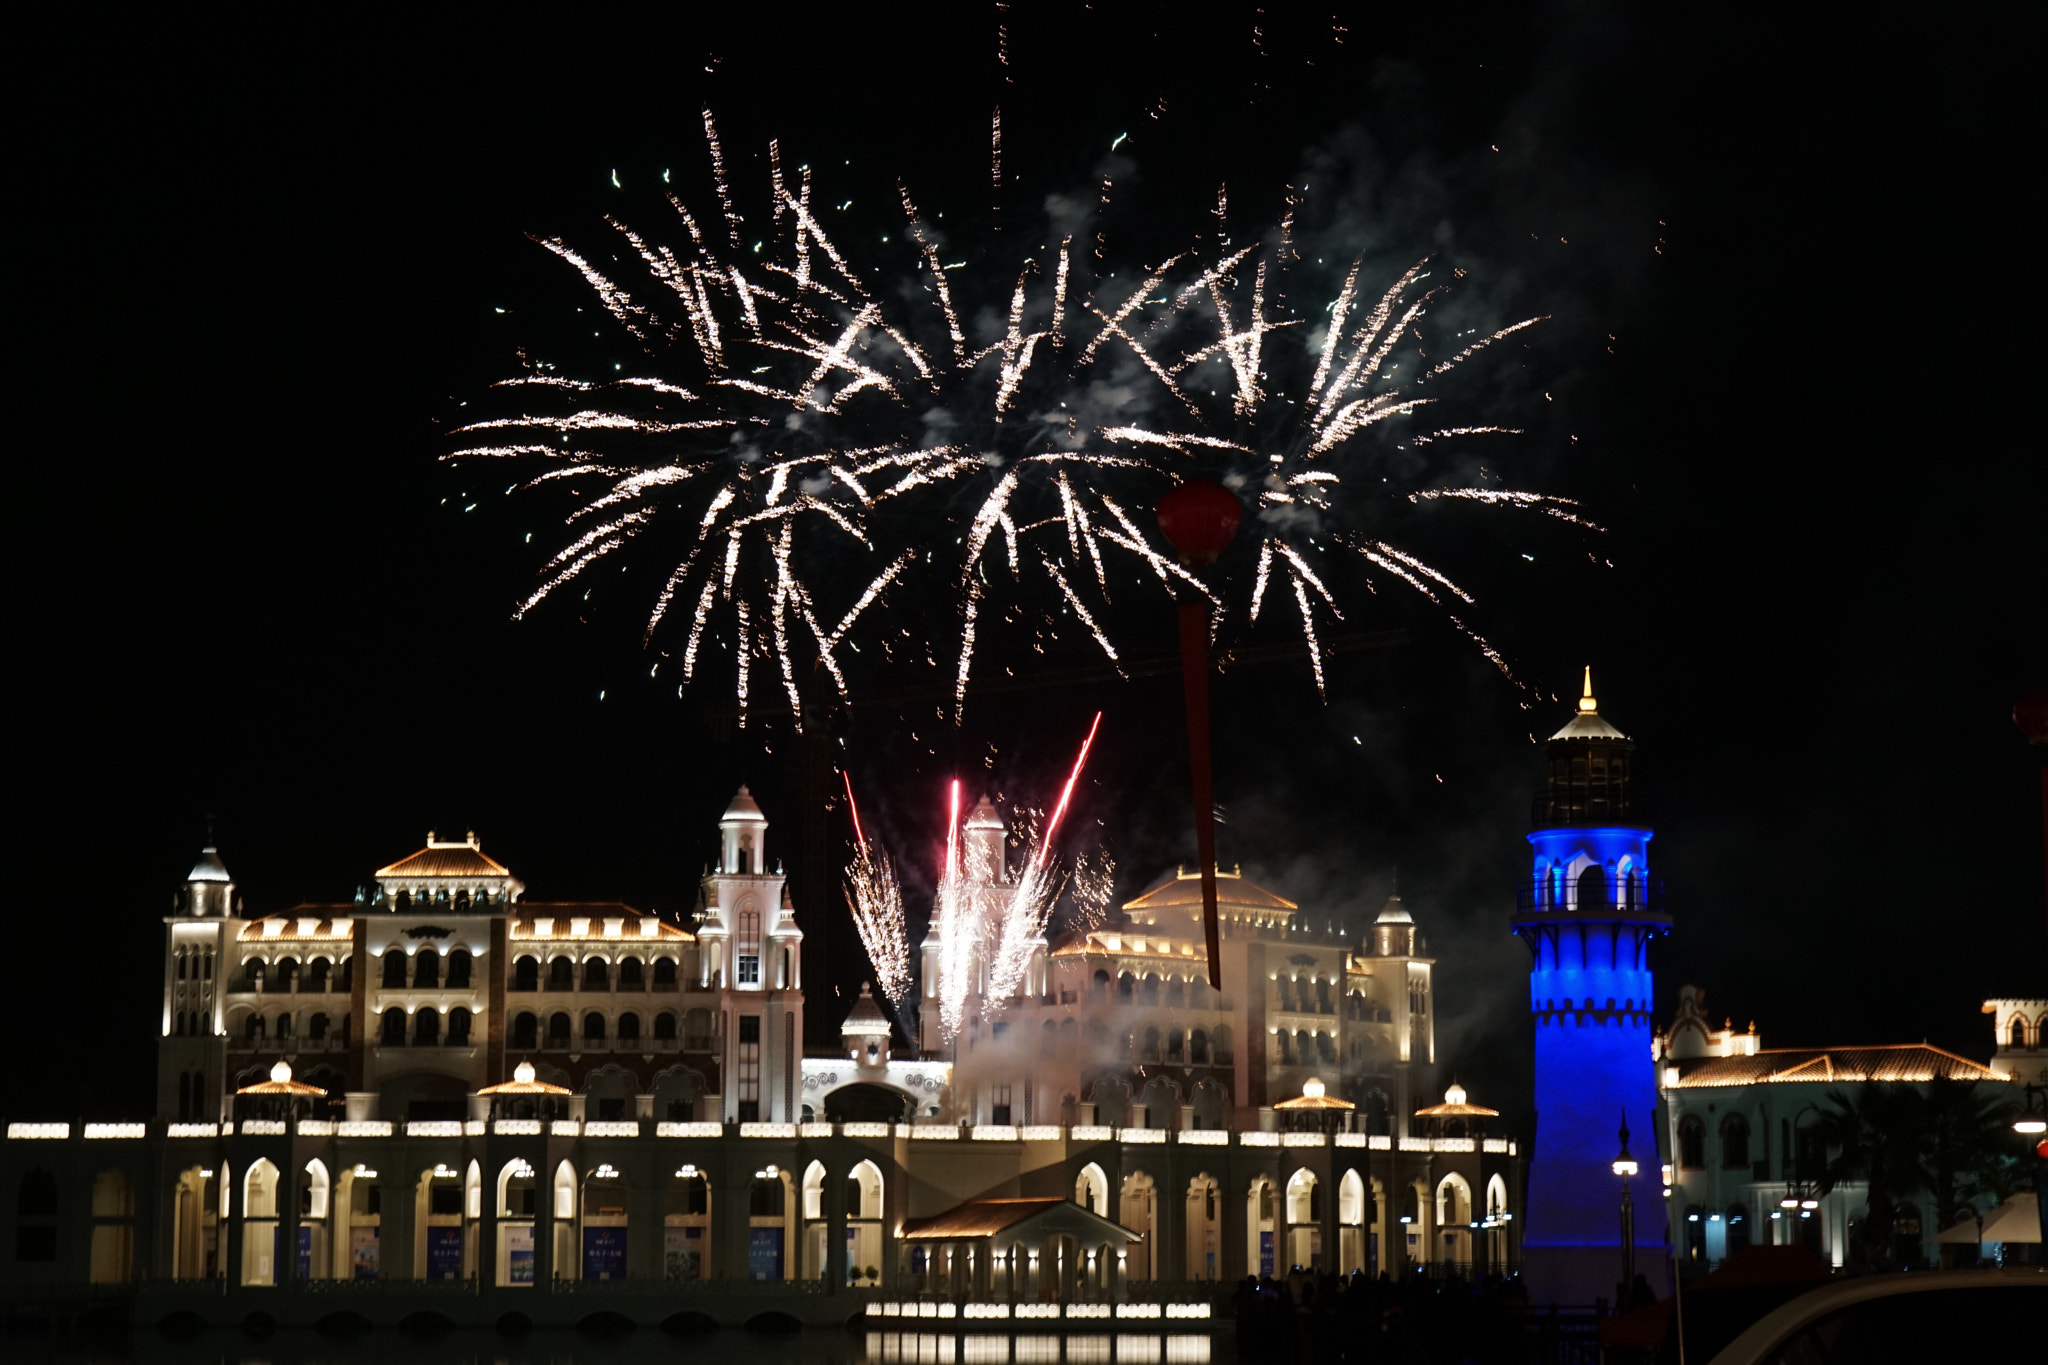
column 1637, row 896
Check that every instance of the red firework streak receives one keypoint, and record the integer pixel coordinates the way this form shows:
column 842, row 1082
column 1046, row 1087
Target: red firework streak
column 1067, row 793
column 854, row 806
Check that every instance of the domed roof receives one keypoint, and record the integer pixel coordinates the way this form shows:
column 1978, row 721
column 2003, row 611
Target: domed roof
column 209, row 868
column 1587, row 724
column 743, row 807
column 865, row 1019
column 984, row 816
column 1393, row 912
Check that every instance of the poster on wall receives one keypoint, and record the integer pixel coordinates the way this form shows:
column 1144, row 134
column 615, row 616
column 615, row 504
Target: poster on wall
column 682, row 1253
column 764, row 1254
column 305, row 1253
column 444, row 1253
column 362, row 1253
column 604, row 1253
column 1266, row 1254
column 518, row 1253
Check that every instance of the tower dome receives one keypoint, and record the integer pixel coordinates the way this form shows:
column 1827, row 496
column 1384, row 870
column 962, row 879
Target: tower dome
column 209, row 868
column 743, row 836
column 983, row 849
column 1393, row 933
column 209, row 891
column 1589, row 777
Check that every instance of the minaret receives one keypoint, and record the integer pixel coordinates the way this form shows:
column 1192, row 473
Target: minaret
column 192, row 1055
column 1587, row 913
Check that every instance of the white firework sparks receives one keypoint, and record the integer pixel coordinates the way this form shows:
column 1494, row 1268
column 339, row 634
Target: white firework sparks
column 773, row 452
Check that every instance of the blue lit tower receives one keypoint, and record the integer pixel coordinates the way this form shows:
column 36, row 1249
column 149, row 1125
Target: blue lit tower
column 1588, row 913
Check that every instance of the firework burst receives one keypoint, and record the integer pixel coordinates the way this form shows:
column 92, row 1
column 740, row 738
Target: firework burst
column 803, row 427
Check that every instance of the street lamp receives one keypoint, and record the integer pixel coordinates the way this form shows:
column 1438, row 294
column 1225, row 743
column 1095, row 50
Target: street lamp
column 2034, row 1118
column 1625, row 1167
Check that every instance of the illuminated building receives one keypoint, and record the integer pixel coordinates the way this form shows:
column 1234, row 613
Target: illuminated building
column 444, row 1079
column 1746, row 1124
column 1588, row 915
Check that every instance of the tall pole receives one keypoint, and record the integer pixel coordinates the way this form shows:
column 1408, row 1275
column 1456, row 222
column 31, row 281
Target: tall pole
column 1628, row 1242
column 1194, row 671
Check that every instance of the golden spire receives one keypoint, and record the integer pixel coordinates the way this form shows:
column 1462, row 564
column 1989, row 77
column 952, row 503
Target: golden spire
column 1586, row 702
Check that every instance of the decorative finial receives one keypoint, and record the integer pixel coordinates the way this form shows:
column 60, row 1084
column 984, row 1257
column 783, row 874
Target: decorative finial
column 1312, row 1088
column 1586, row 702
column 281, row 1073
column 524, row 1073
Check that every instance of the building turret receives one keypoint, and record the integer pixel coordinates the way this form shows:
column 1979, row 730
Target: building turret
column 982, row 851
column 743, row 837
column 866, row 1031
column 1393, row 933
column 1588, row 914
column 192, row 1052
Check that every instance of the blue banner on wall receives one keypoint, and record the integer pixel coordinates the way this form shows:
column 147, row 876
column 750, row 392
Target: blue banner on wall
column 764, row 1254
column 444, row 1253
column 518, row 1252
column 1266, row 1254
column 305, row 1253
column 604, row 1253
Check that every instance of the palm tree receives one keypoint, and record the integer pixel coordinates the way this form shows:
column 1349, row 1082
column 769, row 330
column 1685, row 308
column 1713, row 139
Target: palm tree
column 1969, row 1140
column 1880, row 1137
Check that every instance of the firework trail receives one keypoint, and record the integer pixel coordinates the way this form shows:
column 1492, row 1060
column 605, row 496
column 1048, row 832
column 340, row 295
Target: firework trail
column 876, row 900
column 773, row 450
column 1029, row 903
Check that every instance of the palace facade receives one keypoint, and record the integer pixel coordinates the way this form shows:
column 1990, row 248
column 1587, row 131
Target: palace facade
column 445, row 1080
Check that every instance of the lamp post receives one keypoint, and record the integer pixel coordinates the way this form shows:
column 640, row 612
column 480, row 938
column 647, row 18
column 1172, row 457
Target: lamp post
column 1625, row 1167
column 2032, row 1123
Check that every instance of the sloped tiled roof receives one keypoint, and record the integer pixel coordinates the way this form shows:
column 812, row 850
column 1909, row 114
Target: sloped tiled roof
column 1889, row 1062
column 444, row 860
column 987, row 1217
column 1183, row 890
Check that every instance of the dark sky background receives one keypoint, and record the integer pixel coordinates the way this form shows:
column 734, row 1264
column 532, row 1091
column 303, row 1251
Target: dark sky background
column 255, row 262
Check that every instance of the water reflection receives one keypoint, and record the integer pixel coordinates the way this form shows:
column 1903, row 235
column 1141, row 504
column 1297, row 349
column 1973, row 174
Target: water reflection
column 295, row 1347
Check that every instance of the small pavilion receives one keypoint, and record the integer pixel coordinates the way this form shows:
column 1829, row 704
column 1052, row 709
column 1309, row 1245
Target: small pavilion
column 280, row 1097
column 1048, row 1248
column 1314, row 1110
column 526, row 1096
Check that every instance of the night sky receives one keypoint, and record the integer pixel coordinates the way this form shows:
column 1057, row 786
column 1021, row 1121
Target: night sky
column 254, row 268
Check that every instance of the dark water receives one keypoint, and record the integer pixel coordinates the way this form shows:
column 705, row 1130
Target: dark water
column 569, row 1347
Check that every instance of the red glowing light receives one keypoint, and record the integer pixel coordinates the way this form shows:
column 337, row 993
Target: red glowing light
column 1199, row 517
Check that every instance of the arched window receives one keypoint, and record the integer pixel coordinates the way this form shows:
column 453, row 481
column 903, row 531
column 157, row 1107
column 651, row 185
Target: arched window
column 2019, row 1034
column 1049, row 1039
column 1198, row 1047
column 561, row 974
column 426, row 1028
column 525, row 1031
column 1692, row 1142
column 394, row 1027
column 317, row 972
column 458, row 969
column 1091, row 1190
column 316, row 1028
column 593, row 1027
column 664, row 973
column 1150, row 992
column 632, row 976
column 1696, row 1232
column 664, row 1027
column 1735, row 1143
column 597, row 975
column 1151, row 1052
column 1738, row 1228
column 526, row 974
column 1126, row 986
column 558, row 1029
column 629, row 1028
column 253, row 1028
column 284, row 1025
column 426, row 969
column 458, row 1027
column 394, row 970
column 1592, row 889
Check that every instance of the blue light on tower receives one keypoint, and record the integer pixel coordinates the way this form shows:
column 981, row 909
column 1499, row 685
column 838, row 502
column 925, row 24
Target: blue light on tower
column 1587, row 913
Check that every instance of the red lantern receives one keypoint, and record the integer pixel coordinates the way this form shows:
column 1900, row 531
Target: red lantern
column 2031, row 715
column 1199, row 517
